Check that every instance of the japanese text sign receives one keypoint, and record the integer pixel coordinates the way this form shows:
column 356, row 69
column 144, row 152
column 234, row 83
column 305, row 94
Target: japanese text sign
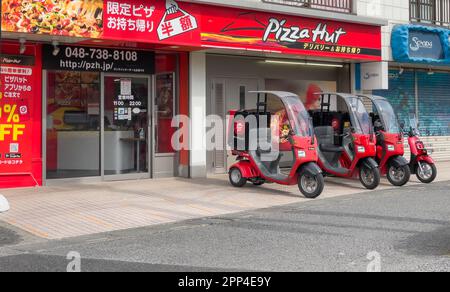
column 16, row 91
column 168, row 22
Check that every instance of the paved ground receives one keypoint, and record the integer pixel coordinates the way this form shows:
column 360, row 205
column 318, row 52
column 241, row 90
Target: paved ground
column 409, row 230
column 75, row 210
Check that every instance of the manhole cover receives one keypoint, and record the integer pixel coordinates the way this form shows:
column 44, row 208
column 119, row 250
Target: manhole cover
column 8, row 237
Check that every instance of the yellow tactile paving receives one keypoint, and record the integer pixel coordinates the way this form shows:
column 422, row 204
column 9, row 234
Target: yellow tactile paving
column 74, row 210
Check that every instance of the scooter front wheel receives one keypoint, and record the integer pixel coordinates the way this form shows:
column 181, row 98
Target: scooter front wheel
column 426, row 172
column 399, row 176
column 236, row 177
column 311, row 186
column 369, row 177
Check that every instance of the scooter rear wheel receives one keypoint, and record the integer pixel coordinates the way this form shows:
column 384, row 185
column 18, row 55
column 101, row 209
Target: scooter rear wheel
column 370, row 178
column 236, row 177
column 311, row 186
column 399, row 176
column 427, row 174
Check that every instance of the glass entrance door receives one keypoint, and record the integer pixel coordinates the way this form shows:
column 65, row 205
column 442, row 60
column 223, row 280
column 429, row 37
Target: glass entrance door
column 126, row 127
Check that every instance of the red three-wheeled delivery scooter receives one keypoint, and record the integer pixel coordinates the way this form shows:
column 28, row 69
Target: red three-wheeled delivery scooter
column 347, row 143
column 253, row 139
column 390, row 142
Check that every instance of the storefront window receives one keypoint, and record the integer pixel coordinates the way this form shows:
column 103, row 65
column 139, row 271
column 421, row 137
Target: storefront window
column 73, row 124
column 164, row 105
column 126, row 125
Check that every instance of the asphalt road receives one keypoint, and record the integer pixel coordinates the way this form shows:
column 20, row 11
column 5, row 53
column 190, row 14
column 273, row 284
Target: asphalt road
column 405, row 229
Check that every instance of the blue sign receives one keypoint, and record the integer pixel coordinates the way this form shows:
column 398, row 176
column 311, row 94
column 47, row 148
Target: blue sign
column 421, row 44
column 425, row 45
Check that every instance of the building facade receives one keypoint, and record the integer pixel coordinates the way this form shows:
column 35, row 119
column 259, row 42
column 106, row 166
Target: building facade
column 416, row 45
column 90, row 88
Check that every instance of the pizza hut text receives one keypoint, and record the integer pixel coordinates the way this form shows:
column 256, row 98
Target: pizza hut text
column 292, row 34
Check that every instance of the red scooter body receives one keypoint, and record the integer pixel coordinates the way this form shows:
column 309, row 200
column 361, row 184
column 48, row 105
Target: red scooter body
column 418, row 151
column 360, row 140
column 253, row 166
column 421, row 163
column 392, row 147
column 250, row 171
column 390, row 142
column 347, row 143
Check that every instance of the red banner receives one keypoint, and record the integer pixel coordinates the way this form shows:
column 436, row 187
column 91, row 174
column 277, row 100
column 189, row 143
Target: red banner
column 165, row 22
column 178, row 23
column 251, row 30
column 169, row 22
column 16, row 95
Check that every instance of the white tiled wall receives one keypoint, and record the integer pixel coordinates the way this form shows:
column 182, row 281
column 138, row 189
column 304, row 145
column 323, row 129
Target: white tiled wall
column 395, row 11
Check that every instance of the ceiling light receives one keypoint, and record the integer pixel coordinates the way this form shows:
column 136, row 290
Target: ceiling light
column 303, row 63
column 430, row 72
column 284, row 62
column 22, row 48
column 401, row 70
column 56, row 48
column 324, row 65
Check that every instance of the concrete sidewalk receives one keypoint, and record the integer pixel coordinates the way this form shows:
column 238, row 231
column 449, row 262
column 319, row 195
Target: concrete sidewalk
column 74, row 210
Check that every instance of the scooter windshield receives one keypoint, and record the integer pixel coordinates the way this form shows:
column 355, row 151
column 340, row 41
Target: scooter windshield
column 388, row 116
column 413, row 121
column 299, row 117
column 362, row 124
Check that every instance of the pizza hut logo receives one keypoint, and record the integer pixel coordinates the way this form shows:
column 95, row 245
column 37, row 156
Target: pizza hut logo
column 175, row 21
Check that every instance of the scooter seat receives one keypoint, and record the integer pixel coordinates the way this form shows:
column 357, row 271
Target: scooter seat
column 331, row 148
column 261, row 151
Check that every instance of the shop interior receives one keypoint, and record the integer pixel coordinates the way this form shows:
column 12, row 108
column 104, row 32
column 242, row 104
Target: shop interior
column 87, row 122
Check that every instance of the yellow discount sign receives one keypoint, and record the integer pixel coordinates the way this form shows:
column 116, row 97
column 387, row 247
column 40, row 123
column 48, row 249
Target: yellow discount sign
column 10, row 111
column 11, row 129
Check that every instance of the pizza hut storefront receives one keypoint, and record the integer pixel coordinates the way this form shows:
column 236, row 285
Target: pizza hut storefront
column 89, row 89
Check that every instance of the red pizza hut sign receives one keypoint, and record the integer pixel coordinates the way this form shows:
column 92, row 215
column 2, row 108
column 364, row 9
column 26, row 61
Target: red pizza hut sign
column 176, row 23
column 251, row 30
column 293, row 34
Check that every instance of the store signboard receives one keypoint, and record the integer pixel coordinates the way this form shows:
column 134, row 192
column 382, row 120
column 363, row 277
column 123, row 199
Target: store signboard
column 375, row 76
column 77, row 58
column 16, row 60
column 289, row 34
column 170, row 22
column 424, row 44
column 421, row 44
column 16, row 96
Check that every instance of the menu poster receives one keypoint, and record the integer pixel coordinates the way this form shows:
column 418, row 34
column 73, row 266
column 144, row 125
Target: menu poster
column 125, row 86
column 16, row 95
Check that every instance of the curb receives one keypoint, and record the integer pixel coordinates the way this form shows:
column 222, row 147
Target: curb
column 4, row 205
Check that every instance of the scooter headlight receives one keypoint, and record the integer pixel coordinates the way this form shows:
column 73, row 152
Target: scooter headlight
column 391, row 148
column 420, row 146
column 361, row 149
column 301, row 153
